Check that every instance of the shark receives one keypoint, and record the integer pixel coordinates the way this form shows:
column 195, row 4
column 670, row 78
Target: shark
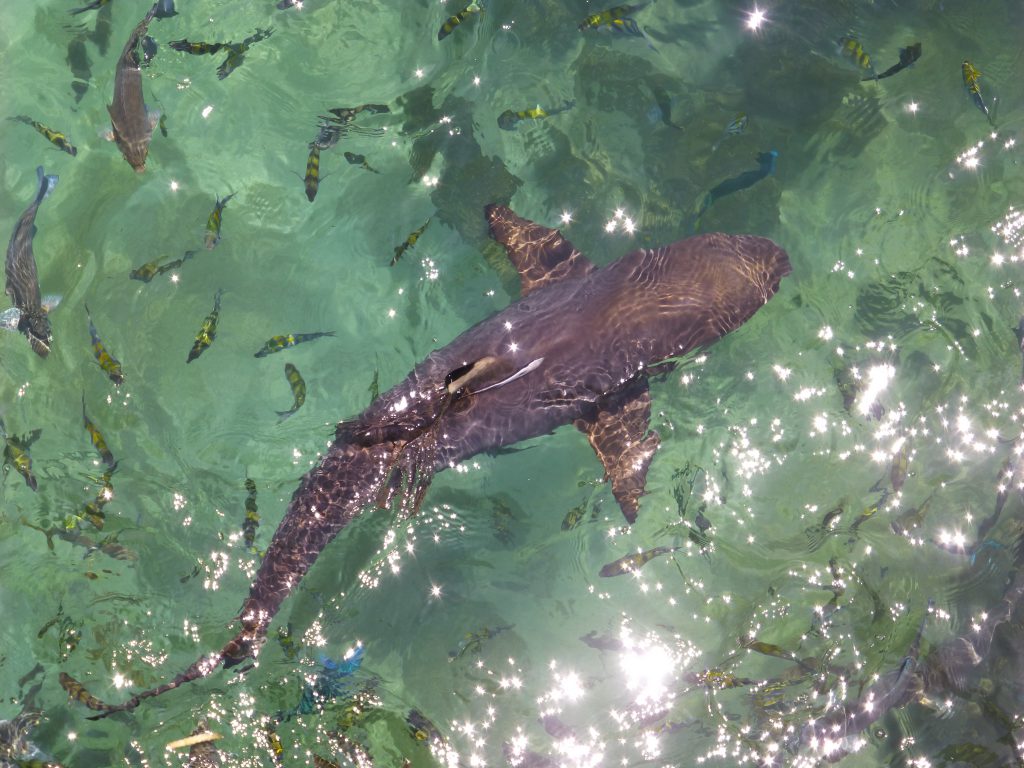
column 578, row 348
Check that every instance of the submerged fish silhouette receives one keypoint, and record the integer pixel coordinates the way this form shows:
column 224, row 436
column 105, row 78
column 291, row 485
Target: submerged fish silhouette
column 586, row 339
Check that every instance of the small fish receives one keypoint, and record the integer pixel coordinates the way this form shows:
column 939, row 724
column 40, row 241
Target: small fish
column 766, row 162
column 734, row 128
column 911, row 519
column 421, row 728
column 93, row 6
column 908, row 56
column 236, row 53
column 22, row 277
column 97, row 439
column 289, row 645
column 970, row 76
column 197, row 48
column 345, row 115
column 93, row 510
column 634, row 562
column 131, row 122
column 851, row 49
column 312, row 179
column 149, row 49
column 473, row 641
column 509, row 119
column 165, row 9
column 16, row 454
column 298, row 390
column 374, row 388
column 617, row 19
column 252, row 516
column 453, row 21
column 208, row 331
column 360, row 160
column 107, row 361
column 58, row 139
column 900, row 467
column 410, row 241
column 277, row 343
column 213, row 223
column 328, row 136
column 574, row 517
column 330, row 683
column 77, row 691
column 152, row 269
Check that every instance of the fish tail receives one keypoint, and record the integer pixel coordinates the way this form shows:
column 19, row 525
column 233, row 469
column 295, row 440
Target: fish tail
column 285, row 414
column 46, row 184
column 23, row 119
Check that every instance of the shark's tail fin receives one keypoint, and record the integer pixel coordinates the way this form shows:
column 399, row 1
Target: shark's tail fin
column 237, row 650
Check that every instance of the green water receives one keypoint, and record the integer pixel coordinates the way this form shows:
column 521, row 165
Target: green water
column 894, row 245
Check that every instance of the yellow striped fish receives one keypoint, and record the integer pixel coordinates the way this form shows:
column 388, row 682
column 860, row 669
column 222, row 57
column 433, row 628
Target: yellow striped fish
column 107, row 361
column 208, row 332
column 298, row 390
column 58, row 139
column 213, row 223
column 97, row 439
column 453, row 21
column 312, row 179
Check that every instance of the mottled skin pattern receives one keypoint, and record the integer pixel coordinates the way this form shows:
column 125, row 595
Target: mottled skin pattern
column 596, row 333
column 22, row 277
column 128, row 117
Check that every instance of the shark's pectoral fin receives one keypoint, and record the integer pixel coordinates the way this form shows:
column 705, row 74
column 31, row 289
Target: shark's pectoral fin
column 540, row 254
column 621, row 437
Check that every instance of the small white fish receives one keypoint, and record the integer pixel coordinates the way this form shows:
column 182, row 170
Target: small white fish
column 9, row 317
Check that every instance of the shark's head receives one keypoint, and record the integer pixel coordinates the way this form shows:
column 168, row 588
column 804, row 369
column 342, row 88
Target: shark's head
column 36, row 327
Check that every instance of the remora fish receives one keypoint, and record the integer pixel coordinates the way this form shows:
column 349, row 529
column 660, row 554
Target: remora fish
column 22, row 278
column 908, row 56
column 481, row 393
column 132, row 124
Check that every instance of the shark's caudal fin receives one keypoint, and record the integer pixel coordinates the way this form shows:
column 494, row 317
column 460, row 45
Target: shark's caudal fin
column 540, row 254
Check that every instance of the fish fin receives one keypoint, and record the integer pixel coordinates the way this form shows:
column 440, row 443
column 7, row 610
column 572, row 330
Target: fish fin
column 622, row 439
column 540, row 254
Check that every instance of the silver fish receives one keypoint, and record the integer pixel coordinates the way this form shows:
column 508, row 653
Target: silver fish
column 22, row 278
column 132, row 124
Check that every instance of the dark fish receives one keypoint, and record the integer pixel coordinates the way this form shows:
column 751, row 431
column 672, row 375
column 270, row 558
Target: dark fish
column 908, row 56
column 277, row 343
column 81, row 68
column 360, row 160
column 165, row 9
column 453, row 21
column 312, row 178
column 110, row 364
column 329, row 135
column 213, row 222
column 149, row 49
column 22, row 278
column 132, row 123
column 766, row 161
column 59, row 140
column 634, row 562
column 93, row 6
column 479, row 393
column 208, row 331
column 408, row 243
column 345, row 115
column 298, row 390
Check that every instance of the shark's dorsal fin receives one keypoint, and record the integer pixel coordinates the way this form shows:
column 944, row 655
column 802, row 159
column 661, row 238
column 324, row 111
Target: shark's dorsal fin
column 620, row 434
column 540, row 254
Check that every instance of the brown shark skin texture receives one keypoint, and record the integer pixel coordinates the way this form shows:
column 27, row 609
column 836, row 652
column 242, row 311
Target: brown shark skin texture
column 132, row 127
column 23, row 278
column 599, row 332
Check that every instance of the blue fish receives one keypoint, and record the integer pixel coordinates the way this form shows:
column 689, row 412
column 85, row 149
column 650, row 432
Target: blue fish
column 330, row 683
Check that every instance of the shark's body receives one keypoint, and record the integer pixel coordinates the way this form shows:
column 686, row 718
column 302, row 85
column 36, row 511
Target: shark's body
column 576, row 349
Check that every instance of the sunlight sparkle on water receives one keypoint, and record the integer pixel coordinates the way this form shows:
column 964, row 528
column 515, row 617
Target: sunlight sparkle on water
column 755, row 19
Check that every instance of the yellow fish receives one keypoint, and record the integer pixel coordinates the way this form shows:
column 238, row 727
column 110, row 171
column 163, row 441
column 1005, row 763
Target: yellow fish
column 16, row 454
column 97, row 439
column 56, row 138
column 107, row 361
column 453, row 21
column 213, row 223
column 298, row 390
column 208, row 332
column 970, row 76
column 410, row 241
column 634, row 562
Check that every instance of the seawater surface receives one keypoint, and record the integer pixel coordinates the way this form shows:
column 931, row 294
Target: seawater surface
column 824, row 473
